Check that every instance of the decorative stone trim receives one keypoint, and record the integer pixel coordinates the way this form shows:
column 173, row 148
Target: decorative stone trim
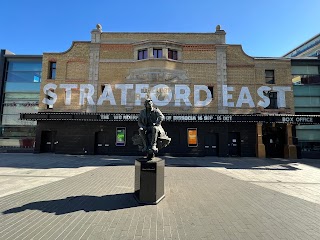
column 157, row 75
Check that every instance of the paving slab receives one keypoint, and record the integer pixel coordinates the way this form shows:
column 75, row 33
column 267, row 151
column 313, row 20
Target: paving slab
column 206, row 198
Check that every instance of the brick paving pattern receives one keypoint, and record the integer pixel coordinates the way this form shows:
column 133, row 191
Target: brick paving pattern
column 206, row 198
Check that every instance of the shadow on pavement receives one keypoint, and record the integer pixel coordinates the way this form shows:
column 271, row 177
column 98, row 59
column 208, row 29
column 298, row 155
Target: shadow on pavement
column 80, row 203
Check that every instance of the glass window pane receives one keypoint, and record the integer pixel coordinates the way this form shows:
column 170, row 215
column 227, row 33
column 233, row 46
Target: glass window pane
column 17, row 107
column 306, row 90
column 18, row 131
column 269, row 73
column 300, row 70
column 53, row 74
column 21, row 96
column 22, row 87
column 14, row 119
column 175, row 55
column 24, row 77
column 307, row 101
column 145, row 54
column 309, row 135
column 157, row 53
column 25, row 66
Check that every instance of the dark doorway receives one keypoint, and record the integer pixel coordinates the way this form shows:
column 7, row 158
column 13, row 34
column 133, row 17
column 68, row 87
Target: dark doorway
column 175, row 146
column 274, row 139
column 234, row 145
column 48, row 141
column 211, row 144
column 102, row 143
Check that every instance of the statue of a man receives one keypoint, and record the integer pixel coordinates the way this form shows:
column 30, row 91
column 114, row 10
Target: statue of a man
column 150, row 128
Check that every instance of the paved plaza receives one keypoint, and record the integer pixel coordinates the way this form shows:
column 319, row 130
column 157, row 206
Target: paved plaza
column 48, row 196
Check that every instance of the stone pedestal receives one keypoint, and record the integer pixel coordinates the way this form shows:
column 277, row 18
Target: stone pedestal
column 149, row 180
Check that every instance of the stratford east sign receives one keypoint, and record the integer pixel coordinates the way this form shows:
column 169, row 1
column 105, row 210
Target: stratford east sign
column 163, row 95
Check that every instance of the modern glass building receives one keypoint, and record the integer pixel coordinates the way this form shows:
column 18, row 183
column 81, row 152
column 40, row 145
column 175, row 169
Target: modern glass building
column 20, row 77
column 306, row 90
column 310, row 48
column 305, row 61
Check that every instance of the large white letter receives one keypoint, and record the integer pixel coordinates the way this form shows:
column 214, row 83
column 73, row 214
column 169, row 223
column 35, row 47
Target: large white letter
column 245, row 97
column 139, row 94
column 156, row 92
column 107, row 95
column 281, row 98
column 68, row 88
column 227, row 96
column 197, row 101
column 47, row 92
column 124, row 89
column 182, row 92
column 266, row 100
column 84, row 94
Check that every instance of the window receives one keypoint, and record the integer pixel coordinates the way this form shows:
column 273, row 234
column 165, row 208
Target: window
column 173, row 54
column 273, row 100
column 142, row 54
column 157, row 53
column 24, row 72
column 52, row 70
column 305, row 75
column 269, row 76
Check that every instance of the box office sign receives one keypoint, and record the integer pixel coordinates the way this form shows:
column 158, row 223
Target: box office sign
column 162, row 95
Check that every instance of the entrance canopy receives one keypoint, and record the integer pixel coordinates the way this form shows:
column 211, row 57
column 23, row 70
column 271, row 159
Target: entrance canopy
column 123, row 117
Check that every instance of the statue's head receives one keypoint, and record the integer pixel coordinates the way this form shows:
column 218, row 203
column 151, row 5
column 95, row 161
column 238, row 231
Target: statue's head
column 148, row 103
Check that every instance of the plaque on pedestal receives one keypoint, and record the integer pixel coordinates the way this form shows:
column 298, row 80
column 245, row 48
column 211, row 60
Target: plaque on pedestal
column 149, row 180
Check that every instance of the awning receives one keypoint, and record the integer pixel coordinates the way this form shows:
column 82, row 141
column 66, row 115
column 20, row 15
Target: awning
column 210, row 118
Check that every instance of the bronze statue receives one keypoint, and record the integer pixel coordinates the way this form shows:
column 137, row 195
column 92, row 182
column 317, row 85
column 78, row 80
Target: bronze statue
column 152, row 136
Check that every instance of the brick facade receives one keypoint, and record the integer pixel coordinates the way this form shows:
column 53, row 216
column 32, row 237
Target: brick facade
column 112, row 60
column 203, row 59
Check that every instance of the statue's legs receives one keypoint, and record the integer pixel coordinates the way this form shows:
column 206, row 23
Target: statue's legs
column 155, row 132
column 143, row 136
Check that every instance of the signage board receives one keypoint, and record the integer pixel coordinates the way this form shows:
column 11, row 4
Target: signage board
column 192, row 137
column 120, row 136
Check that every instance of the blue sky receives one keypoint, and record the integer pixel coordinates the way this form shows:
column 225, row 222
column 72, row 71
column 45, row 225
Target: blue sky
column 263, row 28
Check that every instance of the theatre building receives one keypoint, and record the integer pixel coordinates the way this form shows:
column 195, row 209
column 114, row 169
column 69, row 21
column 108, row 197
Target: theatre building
column 217, row 100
